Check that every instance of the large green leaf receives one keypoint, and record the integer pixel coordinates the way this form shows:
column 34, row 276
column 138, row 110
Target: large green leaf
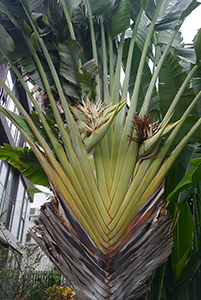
column 15, row 12
column 192, row 177
column 179, row 170
column 183, row 235
column 186, row 54
column 150, row 7
column 190, row 269
column 197, row 45
column 162, row 38
column 91, row 67
column 71, row 6
column 70, row 54
column 6, row 44
column 22, row 122
column 85, row 80
column 141, row 34
column 100, row 7
column 26, row 162
column 135, row 7
column 34, row 74
column 171, row 78
column 173, row 16
column 33, row 4
column 196, row 81
column 71, row 90
column 121, row 18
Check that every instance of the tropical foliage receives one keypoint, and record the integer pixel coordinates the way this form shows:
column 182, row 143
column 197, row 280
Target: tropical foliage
column 16, row 272
column 116, row 111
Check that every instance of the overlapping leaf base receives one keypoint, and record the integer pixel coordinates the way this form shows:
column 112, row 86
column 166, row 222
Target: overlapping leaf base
column 98, row 276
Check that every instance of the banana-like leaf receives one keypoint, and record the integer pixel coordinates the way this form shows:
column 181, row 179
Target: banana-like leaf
column 7, row 43
column 85, row 80
column 190, row 269
column 70, row 55
column 34, row 74
column 121, row 18
column 33, row 190
column 173, row 16
column 71, row 6
column 192, row 177
column 26, row 162
column 135, row 8
column 99, row 8
column 91, row 67
column 150, row 7
column 14, row 12
column 197, row 44
column 183, row 235
column 170, row 79
column 195, row 83
column 34, row 4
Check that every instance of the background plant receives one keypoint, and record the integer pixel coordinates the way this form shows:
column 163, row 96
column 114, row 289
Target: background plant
column 42, row 280
column 58, row 292
column 16, row 272
column 18, row 276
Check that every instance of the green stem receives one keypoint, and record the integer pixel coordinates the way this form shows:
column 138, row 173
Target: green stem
column 162, row 280
column 111, row 64
column 136, row 89
column 93, row 41
column 171, row 159
column 158, row 39
column 149, row 92
column 105, row 71
column 40, row 139
column 81, row 159
column 199, row 211
column 48, row 90
column 70, row 26
column 177, row 128
column 130, row 56
column 155, row 173
column 73, row 130
column 56, row 145
column 179, row 93
column 116, row 85
column 68, row 181
column 162, row 153
column 115, row 99
column 115, row 95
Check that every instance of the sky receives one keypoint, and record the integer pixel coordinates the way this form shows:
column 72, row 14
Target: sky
column 41, row 198
column 189, row 30
column 191, row 25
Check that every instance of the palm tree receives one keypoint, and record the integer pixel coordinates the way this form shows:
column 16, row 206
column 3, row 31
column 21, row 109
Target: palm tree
column 108, row 78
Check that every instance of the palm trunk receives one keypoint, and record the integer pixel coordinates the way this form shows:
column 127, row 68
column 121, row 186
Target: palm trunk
column 120, row 273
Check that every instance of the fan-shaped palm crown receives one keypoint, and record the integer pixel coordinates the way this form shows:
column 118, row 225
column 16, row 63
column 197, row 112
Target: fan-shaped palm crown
column 104, row 156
